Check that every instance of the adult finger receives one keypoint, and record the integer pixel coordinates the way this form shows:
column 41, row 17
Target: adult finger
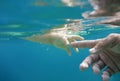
column 109, row 41
column 73, row 40
column 98, row 66
column 89, row 60
column 84, row 43
column 107, row 74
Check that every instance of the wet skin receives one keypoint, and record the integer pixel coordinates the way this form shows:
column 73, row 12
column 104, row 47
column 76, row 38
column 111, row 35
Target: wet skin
column 104, row 53
column 58, row 37
column 105, row 8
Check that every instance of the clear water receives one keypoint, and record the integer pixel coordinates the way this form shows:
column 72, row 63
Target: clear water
column 22, row 60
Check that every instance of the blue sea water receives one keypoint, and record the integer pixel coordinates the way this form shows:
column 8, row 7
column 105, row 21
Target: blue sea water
column 22, row 60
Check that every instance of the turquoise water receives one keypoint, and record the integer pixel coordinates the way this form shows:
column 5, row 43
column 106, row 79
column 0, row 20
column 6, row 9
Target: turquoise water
column 22, row 60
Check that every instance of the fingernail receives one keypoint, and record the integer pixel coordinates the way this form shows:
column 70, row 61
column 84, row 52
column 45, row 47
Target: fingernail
column 96, row 70
column 105, row 77
column 83, row 66
column 92, row 50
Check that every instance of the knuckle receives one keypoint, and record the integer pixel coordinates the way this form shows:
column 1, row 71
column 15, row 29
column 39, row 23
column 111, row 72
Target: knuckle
column 114, row 35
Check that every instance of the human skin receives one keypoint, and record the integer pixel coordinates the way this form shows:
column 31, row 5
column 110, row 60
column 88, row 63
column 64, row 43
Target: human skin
column 115, row 20
column 105, row 8
column 58, row 37
column 105, row 52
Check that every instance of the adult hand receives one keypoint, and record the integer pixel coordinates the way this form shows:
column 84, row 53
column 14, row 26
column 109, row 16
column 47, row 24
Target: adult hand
column 115, row 20
column 105, row 52
column 100, row 8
